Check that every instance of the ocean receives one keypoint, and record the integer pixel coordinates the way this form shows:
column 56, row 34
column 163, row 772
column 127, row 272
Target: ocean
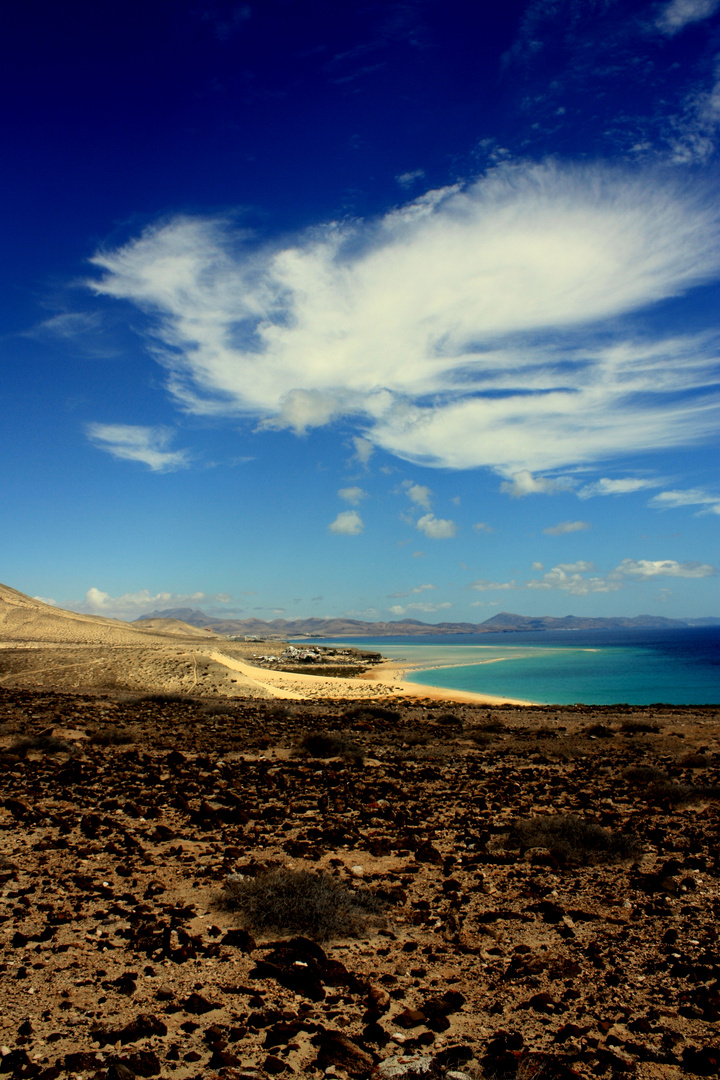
column 592, row 667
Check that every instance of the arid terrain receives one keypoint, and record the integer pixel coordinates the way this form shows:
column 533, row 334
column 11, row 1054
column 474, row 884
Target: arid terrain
column 533, row 890
column 500, row 954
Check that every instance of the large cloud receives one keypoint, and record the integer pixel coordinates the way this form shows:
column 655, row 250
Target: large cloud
column 461, row 329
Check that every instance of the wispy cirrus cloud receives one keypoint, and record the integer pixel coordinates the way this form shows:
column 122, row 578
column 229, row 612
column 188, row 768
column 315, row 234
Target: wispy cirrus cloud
column 564, row 527
column 678, row 14
column 453, row 331
column 621, row 486
column 132, row 442
column 411, row 592
column 667, row 500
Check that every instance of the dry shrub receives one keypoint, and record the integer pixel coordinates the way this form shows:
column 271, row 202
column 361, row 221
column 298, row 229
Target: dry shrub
column 324, row 744
column 449, row 719
column 571, row 839
column 46, row 744
column 639, row 727
column 644, row 775
column 599, row 731
column 371, row 712
column 694, row 761
column 162, row 698
column 311, row 904
column 110, row 736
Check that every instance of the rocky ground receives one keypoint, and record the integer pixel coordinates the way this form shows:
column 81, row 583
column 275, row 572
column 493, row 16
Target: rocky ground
column 501, row 954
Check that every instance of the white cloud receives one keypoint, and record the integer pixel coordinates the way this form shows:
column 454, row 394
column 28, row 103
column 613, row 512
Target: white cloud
column 490, row 586
column 411, row 592
column 46, row 600
column 364, row 449
column 407, row 179
column 524, row 483
column 482, row 526
column 678, row 13
column 347, row 523
column 418, row 493
column 568, row 577
column 566, row 527
column 436, row 528
column 577, row 578
column 666, row 500
column 624, row 486
column 353, row 495
column 651, row 568
column 403, row 609
column 130, row 605
column 130, row 442
column 455, row 329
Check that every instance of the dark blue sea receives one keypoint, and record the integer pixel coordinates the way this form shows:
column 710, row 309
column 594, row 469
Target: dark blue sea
column 592, row 667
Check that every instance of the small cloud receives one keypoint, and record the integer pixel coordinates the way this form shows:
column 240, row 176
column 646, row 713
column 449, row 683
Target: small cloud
column 482, row 526
column 418, row 493
column 482, row 585
column 566, row 527
column 651, row 568
column 130, row 442
column 347, row 523
column 363, row 448
column 625, row 486
column 537, row 566
column 46, row 600
column 524, row 483
column 436, row 528
column 407, row 179
column 667, row 500
column 353, row 495
column 679, row 13
column 410, row 592
column 418, row 554
column 426, row 609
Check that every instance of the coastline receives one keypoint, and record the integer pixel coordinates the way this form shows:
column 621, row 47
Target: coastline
column 392, row 672
column 385, row 681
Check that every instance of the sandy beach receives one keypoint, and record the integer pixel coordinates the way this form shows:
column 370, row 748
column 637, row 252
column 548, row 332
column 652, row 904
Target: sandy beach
column 392, row 673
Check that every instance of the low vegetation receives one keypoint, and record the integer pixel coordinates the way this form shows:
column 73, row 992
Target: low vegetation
column 323, row 744
column 302, row 902
column 571, row 839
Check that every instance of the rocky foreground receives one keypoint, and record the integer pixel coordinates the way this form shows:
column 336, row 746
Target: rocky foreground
column 499, row 950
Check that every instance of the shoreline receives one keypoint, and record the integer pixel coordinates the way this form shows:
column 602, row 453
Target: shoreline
column 391, row 672
column 388, row 675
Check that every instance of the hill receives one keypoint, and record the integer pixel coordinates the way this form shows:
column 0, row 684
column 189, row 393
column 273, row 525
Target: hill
column 25, row 619
column 504, row 622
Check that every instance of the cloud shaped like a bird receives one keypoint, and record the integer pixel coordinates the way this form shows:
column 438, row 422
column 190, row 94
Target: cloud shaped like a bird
column 473, row 326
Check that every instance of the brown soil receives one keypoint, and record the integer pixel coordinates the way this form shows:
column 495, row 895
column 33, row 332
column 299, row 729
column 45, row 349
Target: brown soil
column 119, row 959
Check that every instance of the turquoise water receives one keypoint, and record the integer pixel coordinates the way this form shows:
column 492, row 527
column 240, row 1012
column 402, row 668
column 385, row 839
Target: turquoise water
column 676, row 667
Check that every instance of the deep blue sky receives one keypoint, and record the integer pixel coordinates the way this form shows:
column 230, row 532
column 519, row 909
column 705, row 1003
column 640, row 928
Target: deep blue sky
column 378, row 309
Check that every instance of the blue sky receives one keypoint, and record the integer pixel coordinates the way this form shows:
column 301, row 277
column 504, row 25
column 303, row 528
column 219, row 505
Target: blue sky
column 394, row 309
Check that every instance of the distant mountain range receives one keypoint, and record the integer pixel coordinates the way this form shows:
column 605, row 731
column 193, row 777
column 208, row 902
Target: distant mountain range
column 504, row 622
